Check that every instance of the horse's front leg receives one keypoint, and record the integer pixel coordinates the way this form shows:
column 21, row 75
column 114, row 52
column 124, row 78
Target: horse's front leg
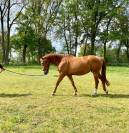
column 71, row 79
column 61, row 76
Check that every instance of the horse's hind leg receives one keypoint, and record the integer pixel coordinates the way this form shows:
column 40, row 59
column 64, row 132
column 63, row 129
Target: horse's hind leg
column 61, row 76
column 96, row 83
column 103, row 84
column 71, row 79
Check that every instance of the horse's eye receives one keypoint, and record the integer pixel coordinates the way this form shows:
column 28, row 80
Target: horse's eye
column 43, row 63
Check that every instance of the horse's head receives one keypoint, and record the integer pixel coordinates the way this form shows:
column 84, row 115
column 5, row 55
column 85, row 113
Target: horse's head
column 45, row 64
column 1, row 68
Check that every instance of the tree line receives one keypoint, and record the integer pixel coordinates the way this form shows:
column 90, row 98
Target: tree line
column 99, row 27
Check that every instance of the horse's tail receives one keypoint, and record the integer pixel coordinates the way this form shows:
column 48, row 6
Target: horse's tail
column 103, row 73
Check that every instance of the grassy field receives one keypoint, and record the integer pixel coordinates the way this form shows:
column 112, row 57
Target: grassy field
column 26, row 104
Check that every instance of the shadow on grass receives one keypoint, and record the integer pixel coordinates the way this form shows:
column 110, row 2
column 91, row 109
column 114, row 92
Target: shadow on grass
column 104, row 95
column 14, row 95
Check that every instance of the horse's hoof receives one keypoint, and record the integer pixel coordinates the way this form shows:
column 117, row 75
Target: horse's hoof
column 94, row 94
column 75, row 94
column 53, row 94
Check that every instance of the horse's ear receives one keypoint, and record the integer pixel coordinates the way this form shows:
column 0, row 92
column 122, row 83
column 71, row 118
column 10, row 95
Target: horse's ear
column 42, row 57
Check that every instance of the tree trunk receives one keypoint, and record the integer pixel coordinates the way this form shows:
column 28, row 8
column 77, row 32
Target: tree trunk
column 7, row 48
column 105, row 42
column 8, row 35
column 127, row 52
column 70, row 39
column 66, row 41
column 67, row 46
column 40, row 49
column 84, row 53
column 93, row 35
column 24, row 53
column 105, row 50
column 126, row 43
column 76, row 44
column 96, row 18
column 39, row 24
column 118, row 52
column 76, row 31
column 3, row 39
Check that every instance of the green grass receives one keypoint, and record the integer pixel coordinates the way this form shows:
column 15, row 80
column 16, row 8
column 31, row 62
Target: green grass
column 26, row 104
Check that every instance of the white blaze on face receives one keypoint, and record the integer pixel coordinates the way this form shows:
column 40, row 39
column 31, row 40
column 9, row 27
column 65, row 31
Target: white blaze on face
column 41, row 60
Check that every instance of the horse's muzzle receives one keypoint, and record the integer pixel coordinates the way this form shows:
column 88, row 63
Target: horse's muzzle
column 1, row 70
column 45, row 72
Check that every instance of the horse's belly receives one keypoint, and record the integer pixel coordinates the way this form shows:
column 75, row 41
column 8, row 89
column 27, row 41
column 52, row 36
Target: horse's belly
column 79, row 73
column 79, row 70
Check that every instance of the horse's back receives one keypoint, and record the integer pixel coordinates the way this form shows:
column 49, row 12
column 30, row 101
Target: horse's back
column 86, row 64
column 80, row 65
column 74, row 65
column 94, row 59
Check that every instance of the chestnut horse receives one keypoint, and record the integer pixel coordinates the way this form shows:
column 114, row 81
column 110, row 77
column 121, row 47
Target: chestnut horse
column 69, row 65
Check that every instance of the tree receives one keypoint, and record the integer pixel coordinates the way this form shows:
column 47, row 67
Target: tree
column 3, row 10
column 42, row 14
column 26, row 42
column 96, row 18
column 67, row 25
column 6, row 9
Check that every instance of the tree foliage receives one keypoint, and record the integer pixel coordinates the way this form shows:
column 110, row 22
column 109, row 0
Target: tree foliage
column 100, row 27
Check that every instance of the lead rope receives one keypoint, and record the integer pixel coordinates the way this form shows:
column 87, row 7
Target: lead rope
column 22, row 73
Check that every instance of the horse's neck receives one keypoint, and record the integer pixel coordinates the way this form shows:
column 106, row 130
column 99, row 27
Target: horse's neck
column 56, row 59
